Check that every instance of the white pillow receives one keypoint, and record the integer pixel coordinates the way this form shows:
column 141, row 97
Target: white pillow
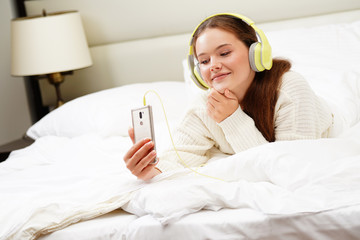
column 328, row 57
column 108, row 112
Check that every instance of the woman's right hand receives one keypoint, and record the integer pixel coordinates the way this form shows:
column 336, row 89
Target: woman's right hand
column 220, row 106
column 140, row 157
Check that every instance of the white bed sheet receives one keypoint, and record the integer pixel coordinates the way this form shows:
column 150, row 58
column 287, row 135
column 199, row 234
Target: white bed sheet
column 341, row 223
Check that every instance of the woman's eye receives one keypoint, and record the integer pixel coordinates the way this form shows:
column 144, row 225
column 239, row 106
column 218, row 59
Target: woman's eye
column 204, row 61
column 225, row 53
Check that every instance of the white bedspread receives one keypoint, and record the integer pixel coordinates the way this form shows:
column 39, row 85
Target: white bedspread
column 59, row 181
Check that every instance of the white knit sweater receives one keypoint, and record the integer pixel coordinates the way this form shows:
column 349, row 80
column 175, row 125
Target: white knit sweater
column 299, row 114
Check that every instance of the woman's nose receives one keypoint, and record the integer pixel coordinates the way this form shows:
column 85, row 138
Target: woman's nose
column 215, row 66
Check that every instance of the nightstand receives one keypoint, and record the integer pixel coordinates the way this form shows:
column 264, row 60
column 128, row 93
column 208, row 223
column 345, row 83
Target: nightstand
column 6, row 149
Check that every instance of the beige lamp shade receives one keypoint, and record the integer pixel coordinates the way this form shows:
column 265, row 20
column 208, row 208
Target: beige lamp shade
column 48, row 44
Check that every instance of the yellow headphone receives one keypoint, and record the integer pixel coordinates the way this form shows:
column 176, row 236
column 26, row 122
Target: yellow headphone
column 259, row 52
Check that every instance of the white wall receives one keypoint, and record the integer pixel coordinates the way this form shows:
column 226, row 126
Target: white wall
column 14, row 111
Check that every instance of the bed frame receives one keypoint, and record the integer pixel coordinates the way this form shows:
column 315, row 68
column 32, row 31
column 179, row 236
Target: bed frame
column 145, row 42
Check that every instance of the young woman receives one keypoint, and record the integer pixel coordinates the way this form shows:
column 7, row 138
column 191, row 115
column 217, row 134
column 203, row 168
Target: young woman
column 242, row 109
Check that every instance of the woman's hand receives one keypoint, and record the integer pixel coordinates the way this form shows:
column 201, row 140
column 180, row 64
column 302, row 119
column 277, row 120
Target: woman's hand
column 140, row 157
column 220, row 106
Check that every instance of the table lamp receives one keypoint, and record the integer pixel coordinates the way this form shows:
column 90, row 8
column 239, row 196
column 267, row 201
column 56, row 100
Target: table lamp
column 50, row 45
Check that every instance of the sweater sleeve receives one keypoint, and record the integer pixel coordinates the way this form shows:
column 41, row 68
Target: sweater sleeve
column 192, row 140
column 240, row 131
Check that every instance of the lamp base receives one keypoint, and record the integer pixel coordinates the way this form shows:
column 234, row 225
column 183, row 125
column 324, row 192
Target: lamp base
column 56, row 79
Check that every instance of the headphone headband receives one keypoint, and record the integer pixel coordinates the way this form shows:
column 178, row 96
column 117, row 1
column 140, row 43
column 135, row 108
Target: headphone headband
column 259, row 55
column 242, row 17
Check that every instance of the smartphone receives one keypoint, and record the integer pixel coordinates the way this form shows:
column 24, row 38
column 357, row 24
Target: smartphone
column 142, row 121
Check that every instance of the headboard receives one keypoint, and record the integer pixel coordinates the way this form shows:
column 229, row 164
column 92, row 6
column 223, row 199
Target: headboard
column 146, row 41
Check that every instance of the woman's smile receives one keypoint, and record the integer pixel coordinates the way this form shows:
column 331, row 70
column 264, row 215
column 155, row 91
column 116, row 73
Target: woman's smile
column 220, row 76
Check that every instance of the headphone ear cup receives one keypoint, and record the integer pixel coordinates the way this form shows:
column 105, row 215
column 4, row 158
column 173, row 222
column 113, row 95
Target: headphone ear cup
column 255, row 57
column 199, row 78
column 197, row 73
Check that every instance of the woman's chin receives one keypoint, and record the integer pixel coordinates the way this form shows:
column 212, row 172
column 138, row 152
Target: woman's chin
column 219, row 89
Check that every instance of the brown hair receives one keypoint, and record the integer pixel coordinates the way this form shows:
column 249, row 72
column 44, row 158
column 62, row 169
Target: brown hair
column 261, row 97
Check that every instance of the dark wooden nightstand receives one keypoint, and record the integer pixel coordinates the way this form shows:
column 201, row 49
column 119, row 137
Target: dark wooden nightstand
column 6, row 149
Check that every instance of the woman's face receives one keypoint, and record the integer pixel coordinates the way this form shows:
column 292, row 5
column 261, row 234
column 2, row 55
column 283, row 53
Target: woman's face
column 224, row 61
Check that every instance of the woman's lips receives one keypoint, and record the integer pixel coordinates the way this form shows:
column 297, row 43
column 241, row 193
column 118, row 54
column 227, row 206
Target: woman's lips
column 220, row 76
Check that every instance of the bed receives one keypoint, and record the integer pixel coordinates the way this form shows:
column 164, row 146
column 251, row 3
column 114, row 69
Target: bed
column 71, row 183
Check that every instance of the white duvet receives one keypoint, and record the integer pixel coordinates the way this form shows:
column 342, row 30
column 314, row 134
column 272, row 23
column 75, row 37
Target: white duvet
column 58, row 181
